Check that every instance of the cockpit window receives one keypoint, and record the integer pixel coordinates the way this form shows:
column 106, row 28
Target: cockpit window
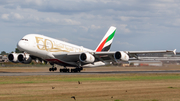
column 25, row 39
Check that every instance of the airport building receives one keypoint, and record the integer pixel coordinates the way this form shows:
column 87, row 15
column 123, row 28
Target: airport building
column 3, row 58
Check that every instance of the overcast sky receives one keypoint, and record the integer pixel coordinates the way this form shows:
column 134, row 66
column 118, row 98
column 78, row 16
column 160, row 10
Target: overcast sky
column 141, row 24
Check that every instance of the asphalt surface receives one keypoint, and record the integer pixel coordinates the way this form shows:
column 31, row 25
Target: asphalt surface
column 83, row 73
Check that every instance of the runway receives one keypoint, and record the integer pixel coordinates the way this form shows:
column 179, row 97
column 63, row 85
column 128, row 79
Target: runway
column 83, row 73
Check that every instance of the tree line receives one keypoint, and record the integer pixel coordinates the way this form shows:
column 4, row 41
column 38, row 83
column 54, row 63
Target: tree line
column 5, row 53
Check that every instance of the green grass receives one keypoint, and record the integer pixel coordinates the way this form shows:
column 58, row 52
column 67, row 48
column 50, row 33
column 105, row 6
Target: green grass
column 174, row 87
column 124, row 78
column 75, row 78
column 118, row 100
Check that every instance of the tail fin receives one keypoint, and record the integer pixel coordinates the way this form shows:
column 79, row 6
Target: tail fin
column 106, row 42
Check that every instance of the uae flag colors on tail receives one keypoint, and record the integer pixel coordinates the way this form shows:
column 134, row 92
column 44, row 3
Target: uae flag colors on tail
column 107, row 40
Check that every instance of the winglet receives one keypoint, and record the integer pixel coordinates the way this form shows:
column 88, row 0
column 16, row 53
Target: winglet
column 174, row 51
column 106, row 42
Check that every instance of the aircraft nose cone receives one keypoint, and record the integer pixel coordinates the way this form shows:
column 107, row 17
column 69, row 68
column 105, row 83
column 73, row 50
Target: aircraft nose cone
column 20, row 45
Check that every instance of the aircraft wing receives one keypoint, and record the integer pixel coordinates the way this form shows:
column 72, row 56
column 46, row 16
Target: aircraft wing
column 104, row 56
column 135, row 53
column 75, row 56
column 111, row 56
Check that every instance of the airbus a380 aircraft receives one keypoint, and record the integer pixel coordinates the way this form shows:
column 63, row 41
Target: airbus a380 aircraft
column 54, row 51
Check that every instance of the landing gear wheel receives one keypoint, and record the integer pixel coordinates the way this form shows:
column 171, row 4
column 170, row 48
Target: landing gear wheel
column 64, row 70
column 53, row 69
column 49, row 69
column 76, row 70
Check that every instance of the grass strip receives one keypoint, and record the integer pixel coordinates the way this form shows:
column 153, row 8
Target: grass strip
column 119, row 78
column 67, row 78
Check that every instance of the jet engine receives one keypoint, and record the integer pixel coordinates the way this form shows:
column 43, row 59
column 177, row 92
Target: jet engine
column 13, row 57
column 24, row 58
column 120, row 55
column 87, row 58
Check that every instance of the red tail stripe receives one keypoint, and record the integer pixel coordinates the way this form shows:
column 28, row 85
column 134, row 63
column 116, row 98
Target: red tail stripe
column 101, row 46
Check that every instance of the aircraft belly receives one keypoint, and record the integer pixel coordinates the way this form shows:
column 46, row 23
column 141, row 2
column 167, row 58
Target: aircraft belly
column 60, row 62
column 68, row 58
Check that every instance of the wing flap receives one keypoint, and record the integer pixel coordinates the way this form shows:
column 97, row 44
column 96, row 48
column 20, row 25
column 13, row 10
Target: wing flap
column 104, row 56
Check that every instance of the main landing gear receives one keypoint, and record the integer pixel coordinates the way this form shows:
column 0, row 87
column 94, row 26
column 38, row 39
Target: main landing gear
column 53, row 68
column 71, row 70
column 66, row 70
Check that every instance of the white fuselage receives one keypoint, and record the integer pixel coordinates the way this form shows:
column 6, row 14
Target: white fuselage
column 43, row 47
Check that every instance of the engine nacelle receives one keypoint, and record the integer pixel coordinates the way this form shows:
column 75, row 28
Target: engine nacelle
column 24, row 58
column 87, row 58
column 13, row 57
column 120, row 55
